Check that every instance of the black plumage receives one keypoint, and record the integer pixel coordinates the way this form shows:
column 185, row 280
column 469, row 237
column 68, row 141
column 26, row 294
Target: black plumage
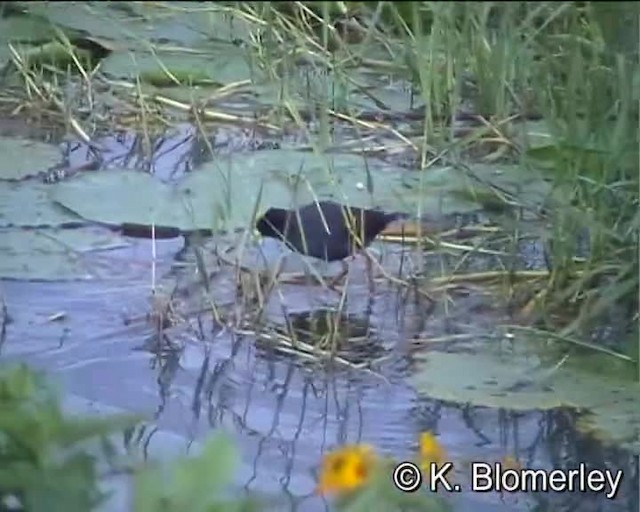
column 325, row 230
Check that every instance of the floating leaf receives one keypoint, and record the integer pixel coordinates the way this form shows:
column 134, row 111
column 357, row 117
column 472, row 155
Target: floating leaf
column 27, row 204
column 25, row 29
column 135, row 24
column 520, row 381
column 221, row 66
column 51, row 254
column 222, row 194
column 22, row 157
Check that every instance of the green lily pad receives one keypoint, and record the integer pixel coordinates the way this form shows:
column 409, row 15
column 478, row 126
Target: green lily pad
column 300, row 177
column 443, row 190
column 222, row 194
column 117, row 23
column 27, row 204
column 523, row 182
column 22, row 157
column 618, row 421
column 51, row 254
column 201, row 202
column 25, row 29
column 96, row 18
column 191, row 24
column 222, row 65
column 494, row 188
column 116, row 198
column 519, row 380
column 396, row 97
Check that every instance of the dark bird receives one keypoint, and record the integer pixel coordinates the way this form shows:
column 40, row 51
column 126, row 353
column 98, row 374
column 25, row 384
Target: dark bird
column 325, row 230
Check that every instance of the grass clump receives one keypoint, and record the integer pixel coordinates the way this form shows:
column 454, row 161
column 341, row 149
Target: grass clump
column 566, row 69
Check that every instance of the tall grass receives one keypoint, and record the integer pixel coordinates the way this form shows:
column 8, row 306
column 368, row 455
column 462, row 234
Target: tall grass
column 572, row 64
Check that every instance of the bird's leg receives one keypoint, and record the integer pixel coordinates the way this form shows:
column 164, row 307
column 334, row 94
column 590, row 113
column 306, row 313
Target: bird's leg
column 340, row 276
column 369, row 264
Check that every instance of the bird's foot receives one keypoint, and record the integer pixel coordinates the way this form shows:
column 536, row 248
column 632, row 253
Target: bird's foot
column 332, row 284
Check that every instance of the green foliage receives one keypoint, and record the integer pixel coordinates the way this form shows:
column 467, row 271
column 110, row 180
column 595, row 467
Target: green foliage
column 572, row 64
column 47, row 456
column 41, row 460
column 586, row 93
column 576, row 65
column 195, row 484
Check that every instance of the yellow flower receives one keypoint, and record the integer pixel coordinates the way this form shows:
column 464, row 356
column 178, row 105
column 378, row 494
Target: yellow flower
column 346, row 469
column 510, row 462
column 431, row 452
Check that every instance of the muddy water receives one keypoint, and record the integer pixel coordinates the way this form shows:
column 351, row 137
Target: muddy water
column 282, row 411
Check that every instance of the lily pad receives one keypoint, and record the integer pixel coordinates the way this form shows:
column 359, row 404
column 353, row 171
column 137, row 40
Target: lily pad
column 22, row 157
column 536, row 134
column 51, row 254
column 221, row 65
column 519, row 380
column 25, row 29
column 526, row 183
column 222, row 194
column 27, row 204
column 201, row 202
column 192, row 23
column 391, row 97
column 100, row 20
column 341, row 177
column 117, row 198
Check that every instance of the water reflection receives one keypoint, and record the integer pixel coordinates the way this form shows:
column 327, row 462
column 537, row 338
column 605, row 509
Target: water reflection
column 283, row 411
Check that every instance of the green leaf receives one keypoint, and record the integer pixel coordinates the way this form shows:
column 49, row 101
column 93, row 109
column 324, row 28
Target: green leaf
column 27, row 204
column 46, row 456
column 520, row 379
column 219, row 66
column 193, row 484
column 52, row 254
column 25, row 29
column 222, row 194
column 22, row 157
column 194, row 23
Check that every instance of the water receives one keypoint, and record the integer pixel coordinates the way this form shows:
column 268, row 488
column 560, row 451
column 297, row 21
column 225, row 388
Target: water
column 282, row 411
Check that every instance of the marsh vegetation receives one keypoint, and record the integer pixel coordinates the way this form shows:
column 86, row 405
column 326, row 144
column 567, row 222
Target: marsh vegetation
column 141, row 141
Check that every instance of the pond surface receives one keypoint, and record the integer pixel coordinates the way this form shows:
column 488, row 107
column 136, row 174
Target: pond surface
column 80, row 300
column 94, row 337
